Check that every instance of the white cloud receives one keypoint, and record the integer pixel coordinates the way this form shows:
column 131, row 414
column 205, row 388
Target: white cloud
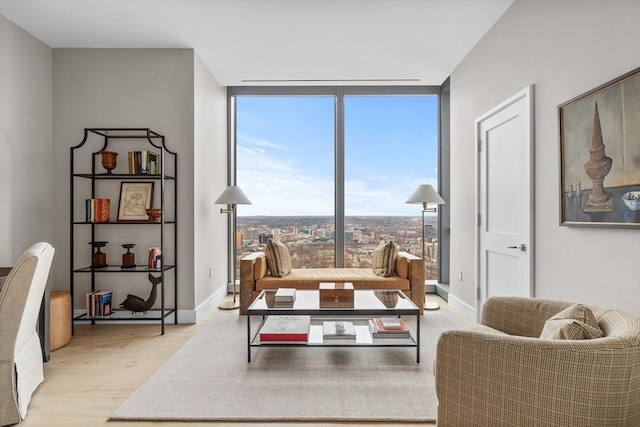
column 280, row 185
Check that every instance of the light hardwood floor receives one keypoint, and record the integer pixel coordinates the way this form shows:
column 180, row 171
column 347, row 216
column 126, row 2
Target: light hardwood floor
column 86, row 380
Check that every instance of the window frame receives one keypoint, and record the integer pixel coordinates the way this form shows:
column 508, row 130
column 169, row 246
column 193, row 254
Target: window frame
column 339, row 92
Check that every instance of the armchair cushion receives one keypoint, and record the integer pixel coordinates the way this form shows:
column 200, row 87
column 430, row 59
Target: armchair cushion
column 576, row 322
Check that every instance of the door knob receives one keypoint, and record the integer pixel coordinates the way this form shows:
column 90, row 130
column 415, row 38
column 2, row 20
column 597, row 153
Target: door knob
column 522, row 247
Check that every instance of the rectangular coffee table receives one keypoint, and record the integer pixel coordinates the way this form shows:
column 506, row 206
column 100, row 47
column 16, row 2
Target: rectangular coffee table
column 367, row 305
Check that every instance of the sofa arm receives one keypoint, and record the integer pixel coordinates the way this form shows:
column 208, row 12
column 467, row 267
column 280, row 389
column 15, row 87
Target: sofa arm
column 416, row 278
column 519, row 315
column 485, row 379
column 248, row 280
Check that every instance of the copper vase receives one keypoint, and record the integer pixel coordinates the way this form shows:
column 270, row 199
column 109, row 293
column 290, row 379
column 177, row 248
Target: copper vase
column 109, row 160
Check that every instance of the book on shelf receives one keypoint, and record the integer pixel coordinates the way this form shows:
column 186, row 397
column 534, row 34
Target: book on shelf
column 99, row 303
column 143, row 162
column 97, row 210
column 155, row 257
column 378, row 330
column 285, row 329
column 392, row 322
column 285, row 297
column 337, row 329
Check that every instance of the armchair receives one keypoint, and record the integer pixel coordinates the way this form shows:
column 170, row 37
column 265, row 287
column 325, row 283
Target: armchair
column 21, row 366
column 500, row 373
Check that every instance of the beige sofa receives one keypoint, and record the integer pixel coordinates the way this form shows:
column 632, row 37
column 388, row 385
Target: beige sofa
column 254, row 278
column 499, row 373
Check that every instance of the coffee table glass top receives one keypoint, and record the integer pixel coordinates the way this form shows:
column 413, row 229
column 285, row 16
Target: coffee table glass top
column 371, row 301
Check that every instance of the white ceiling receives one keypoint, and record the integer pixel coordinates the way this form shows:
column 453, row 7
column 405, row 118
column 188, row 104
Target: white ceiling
column 281, row 42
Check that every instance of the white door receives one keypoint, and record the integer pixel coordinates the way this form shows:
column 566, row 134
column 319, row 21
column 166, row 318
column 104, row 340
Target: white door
column 505, row 199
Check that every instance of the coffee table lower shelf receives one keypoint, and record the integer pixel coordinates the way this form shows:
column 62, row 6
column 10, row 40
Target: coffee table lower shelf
column 363, row 338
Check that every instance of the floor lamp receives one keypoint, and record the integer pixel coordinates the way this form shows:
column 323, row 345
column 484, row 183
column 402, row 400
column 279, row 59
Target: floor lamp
column 231, row 197
column 425, row 194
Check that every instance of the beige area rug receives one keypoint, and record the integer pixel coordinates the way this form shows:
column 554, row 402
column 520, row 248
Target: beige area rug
column 209, row 379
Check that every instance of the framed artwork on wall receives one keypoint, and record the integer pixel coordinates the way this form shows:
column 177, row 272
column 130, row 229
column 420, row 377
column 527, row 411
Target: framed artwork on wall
column 135, row 199
column 600, row 155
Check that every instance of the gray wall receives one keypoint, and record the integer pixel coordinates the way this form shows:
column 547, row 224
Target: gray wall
column 565, row 48
column 125, row 88
column 25, row 142
column 210, row 177
column 48, row 96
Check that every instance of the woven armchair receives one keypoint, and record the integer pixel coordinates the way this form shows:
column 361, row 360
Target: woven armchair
column 499, row 373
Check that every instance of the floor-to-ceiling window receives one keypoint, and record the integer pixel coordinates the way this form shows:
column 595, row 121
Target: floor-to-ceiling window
column 391, row 147
column 328, row 170
column 285, row 164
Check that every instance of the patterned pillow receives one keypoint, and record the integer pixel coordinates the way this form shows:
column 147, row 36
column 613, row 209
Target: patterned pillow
column 573, row 323
column 278, row 258
column 384, row 259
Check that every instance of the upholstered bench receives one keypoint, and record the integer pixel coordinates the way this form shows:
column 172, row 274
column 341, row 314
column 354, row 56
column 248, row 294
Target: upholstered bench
column 255, row 277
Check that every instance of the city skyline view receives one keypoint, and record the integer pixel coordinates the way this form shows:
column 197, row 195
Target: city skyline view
column 311, row 239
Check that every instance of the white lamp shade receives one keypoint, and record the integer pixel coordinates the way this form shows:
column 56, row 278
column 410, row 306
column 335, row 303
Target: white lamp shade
column 425, row 194
column 233, row 195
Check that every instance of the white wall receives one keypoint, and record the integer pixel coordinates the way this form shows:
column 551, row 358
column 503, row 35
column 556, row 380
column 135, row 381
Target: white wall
column 565, row 48
column 125, row 88
column 25, row 142
column 210, row 177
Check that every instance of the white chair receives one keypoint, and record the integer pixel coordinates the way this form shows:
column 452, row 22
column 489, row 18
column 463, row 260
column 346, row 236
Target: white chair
column 21, row 366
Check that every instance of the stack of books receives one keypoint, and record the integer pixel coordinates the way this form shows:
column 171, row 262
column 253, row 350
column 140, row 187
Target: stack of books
column 99, row 303
column 143, row 162
column 155, row 257
column 97, row 210
column 388, row 327
column 285, row 297
column 338, row 329
column 285, row 329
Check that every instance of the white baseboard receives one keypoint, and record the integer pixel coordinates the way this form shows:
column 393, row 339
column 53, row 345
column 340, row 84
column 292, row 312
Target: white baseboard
column 209, row 304
column 462, row 307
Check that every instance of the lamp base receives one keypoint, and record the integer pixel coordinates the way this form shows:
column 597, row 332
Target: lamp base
column 229, row 305
column 428, row 305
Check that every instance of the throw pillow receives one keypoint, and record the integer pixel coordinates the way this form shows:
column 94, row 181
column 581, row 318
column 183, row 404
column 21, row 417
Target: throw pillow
column 384, row 259
column 573, row 323
column 278, row 258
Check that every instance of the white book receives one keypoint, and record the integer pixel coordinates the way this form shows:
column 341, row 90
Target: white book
column 338, row 329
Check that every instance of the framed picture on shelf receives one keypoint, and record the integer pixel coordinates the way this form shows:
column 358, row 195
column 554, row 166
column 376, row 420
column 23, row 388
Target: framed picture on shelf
column 135, row 199
column 600, row 155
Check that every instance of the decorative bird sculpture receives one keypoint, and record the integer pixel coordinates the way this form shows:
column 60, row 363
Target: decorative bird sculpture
column 137, row 304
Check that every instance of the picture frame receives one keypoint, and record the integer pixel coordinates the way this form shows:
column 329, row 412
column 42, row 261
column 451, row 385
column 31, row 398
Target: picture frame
column 600, row 155
column 135, row 199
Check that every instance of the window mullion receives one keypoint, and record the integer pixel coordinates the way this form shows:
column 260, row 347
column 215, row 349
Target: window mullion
column 339, row 179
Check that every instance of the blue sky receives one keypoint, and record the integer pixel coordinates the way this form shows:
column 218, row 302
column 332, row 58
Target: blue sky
column 285, row 153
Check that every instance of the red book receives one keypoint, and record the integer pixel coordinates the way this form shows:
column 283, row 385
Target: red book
column 285, row 329
column 103, row 210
